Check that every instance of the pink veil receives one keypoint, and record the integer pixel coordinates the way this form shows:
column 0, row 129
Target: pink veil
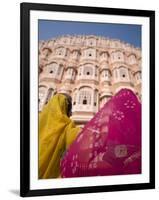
column 109, row 144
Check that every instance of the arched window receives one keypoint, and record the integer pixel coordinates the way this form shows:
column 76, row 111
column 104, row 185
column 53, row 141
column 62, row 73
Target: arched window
column 117, row 56
column 132, row 59
column 85, row 96
column 49, row 95
column 90, row 53
column 88, row 71
column 123, row 72
column 52, row 69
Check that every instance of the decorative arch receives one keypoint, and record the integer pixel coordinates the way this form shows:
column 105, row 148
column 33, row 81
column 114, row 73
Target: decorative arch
column 85, row 95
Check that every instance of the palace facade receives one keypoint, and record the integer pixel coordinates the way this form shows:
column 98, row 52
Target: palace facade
column 89, row 68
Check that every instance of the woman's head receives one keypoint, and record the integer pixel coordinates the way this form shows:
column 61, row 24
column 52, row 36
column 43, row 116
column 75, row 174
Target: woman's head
column 69, row 104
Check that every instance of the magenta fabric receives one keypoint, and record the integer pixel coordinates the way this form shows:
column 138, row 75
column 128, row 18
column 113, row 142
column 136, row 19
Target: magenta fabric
column 109, row 144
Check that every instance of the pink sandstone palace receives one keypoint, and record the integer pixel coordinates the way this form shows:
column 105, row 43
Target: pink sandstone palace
column 89, row 68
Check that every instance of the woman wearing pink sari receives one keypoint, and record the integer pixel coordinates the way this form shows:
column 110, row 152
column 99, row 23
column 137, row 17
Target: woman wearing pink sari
column 109, row 144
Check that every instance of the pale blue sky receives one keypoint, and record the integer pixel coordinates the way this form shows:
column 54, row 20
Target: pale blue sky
column 128, row 33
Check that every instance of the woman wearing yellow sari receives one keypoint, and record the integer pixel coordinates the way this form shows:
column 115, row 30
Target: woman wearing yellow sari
column 56, row 133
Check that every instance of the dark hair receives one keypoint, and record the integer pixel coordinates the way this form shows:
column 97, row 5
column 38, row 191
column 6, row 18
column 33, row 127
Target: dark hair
column 69, row 103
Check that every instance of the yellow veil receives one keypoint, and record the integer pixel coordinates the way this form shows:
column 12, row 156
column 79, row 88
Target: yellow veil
column 56, row 132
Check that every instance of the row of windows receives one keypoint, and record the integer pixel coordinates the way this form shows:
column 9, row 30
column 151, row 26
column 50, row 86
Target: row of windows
column 85, row 96
column 121, row 72
column 92, row 53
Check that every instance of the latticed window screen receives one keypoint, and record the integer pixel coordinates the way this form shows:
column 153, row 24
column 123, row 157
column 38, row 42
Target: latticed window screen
column 85, row 97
